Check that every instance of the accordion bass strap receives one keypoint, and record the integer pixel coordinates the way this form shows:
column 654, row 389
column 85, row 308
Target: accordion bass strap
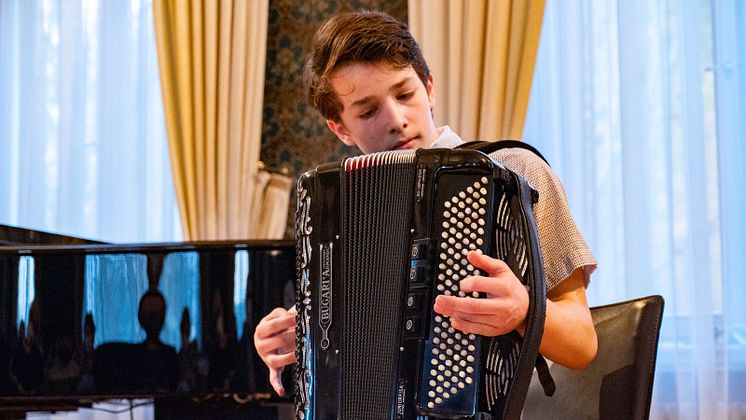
column 536, row 311
column 487, row 147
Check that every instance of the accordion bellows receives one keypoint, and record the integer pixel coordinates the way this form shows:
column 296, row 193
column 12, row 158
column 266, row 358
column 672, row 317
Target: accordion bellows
column 379, row 237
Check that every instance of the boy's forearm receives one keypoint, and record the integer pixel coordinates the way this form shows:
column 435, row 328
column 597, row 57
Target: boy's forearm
column 569, row 335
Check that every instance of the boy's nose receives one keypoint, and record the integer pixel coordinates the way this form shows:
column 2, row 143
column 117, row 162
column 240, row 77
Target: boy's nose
column 398, row 128
column 398, row 120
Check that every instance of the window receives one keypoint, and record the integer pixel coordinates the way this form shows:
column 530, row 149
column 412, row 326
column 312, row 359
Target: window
column 639, row 108
column 83, row 149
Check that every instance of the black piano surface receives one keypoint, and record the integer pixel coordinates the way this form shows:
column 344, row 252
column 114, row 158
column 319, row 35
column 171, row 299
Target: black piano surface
column 79, row 323
column 14, row 235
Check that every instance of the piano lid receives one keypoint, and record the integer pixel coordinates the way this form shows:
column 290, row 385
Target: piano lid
column 12, row 235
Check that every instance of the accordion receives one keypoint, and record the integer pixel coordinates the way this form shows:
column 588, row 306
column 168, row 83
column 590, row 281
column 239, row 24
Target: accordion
column 378, row 238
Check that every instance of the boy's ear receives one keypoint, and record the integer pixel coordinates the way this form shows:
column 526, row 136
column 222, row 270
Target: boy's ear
column 430, row 87
column 339, row 129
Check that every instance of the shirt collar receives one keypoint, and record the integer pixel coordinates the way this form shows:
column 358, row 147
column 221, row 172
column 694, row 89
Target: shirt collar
column 447, row 139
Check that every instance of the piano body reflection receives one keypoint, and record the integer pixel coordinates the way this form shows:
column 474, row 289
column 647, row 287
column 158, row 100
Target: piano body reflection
column 96, row 321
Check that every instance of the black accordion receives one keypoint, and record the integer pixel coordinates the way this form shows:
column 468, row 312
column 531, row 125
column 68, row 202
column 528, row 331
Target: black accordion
column 378, row 238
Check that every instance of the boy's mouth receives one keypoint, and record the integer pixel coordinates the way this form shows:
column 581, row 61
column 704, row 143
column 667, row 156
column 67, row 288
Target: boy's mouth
column 406, row 143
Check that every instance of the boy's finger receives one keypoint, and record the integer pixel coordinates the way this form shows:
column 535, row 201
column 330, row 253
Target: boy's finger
column 492, row 266
column 277, row 312
column 279, row 361
column 282, row 322
column 276, row 343
column 475, row 327
column 275, row 325
column 493, row 287
column 275, row 378
column 449, row 305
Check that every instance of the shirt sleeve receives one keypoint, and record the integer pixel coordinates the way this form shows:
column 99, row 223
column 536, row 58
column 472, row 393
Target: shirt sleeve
column 562, row 245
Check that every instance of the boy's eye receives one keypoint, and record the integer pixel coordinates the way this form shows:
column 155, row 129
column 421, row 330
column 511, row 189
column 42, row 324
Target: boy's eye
column 367, row 114
column 405, row 95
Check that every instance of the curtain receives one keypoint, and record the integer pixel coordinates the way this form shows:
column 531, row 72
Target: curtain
column 82, row 138
column 270, row 205
column 482, row 54
column 212, row 57
column 639, row 106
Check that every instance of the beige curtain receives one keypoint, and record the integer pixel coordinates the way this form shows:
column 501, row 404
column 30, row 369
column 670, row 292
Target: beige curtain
column 272, row 200
column 482, row 55
column 212, row 56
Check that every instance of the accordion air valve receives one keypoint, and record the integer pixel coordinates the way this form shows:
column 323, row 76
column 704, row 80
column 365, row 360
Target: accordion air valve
column 379, row 237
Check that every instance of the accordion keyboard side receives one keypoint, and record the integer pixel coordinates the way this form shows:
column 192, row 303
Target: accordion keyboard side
column 449, row 377
column 453, row 363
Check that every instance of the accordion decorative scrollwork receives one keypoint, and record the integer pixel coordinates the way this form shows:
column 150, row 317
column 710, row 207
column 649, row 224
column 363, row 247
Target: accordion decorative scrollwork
column 303, row 316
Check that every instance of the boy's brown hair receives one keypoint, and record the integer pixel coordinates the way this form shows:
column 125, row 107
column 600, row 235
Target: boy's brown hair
column 363, row 37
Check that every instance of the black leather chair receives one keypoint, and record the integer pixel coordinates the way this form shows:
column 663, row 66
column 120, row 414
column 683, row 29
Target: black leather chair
column 618, row 384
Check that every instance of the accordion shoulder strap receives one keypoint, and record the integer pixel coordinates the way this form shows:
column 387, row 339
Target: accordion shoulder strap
column 545, row 376
column 488, row 147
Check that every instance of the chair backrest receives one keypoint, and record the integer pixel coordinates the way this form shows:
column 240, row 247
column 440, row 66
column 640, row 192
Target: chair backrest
column 618, row 384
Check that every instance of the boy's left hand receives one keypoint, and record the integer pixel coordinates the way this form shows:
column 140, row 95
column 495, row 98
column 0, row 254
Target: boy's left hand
column 503, row 309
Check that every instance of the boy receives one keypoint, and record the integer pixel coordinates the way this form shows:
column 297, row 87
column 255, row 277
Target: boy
column 367, row 77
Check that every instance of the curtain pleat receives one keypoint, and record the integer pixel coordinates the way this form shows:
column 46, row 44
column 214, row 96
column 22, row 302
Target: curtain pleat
column 271, row 202
column 254, row 110
column 212, row 59
column 482, row 54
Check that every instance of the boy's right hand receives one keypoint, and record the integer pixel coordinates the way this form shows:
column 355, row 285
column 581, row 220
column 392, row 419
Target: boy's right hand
column 274, row 340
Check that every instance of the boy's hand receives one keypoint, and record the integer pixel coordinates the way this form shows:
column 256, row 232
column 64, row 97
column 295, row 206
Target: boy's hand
column 503, row 309
column 274, row 340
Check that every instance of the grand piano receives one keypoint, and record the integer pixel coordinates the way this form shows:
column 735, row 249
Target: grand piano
column 83, row 321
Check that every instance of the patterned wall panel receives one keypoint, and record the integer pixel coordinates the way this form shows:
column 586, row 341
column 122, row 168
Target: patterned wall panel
column 294, row 136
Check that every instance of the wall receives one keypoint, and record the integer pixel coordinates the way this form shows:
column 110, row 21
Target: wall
column 294, row 135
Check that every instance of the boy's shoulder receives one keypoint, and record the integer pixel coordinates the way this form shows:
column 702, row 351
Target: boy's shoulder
column 492, row 147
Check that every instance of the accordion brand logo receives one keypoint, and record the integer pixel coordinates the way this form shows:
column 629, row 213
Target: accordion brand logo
column 420, row 184
column 401, row 397
column 325, row 294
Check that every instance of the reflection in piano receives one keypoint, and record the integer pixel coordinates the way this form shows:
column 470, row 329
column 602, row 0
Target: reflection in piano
column 80, row 322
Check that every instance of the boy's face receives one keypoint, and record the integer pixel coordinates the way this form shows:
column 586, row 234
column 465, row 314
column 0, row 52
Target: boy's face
column 383, row 108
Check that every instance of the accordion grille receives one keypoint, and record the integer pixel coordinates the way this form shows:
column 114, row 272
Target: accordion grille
column 377, row 212
column 512, row 247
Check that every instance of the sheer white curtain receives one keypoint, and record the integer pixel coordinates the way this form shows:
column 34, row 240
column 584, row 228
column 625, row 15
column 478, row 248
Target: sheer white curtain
column 640, row 106
column 82, row 136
